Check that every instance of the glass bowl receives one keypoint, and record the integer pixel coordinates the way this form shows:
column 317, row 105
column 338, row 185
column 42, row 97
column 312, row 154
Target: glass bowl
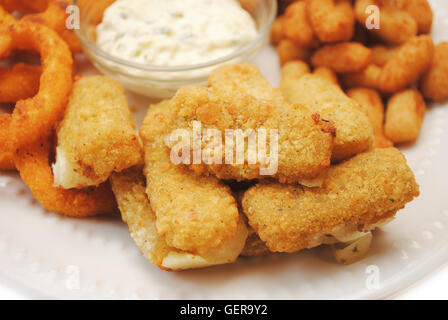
column 163, row 82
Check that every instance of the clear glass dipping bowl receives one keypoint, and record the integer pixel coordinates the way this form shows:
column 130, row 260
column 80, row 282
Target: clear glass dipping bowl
column 163, row 82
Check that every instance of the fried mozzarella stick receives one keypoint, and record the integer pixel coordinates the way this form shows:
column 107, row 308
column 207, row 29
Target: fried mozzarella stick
column 354, row 133
column 355, row 197
column 97, row 135
column 194, row 213
column 298, row 145
column 129, row 187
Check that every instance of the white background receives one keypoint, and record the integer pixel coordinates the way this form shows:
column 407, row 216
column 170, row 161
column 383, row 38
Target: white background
column 433, row 286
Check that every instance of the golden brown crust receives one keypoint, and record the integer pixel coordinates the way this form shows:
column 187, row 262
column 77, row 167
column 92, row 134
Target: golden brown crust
column 434, row 83
column 194, row 214
column 304, row 144
column 361, row 191
column 97, row 135
column 354, row 134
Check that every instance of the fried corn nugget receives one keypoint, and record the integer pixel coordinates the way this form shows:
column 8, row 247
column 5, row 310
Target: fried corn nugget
column 297, row 27
column 33, row 160
column 277, row 33
column 332, row 20
column 194, row 213
column 420, row 10
column 288, row 51
column 407, row 65
column 129, row 187
column 247, row 78
column 404, row 116
column 346, row 57
column 20, row 82
column 382, row 54
column 371, row 101
column 396, row 26
column 356, row 196
column 97, row 135
column 354, row 133
column 433, row 84
column 303, row 144
column 369, row 78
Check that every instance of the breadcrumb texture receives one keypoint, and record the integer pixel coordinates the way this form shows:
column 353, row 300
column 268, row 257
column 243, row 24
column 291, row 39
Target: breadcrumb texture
column 304, row 142
column 194, row 213
column 129, row 187
column 362, row 191
column 97, row 135
column 354, row 133
column 434, row 83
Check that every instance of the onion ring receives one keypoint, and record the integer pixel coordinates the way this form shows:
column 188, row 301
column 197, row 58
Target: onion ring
column 34, row 118
column 33, row 160
column 20, row 82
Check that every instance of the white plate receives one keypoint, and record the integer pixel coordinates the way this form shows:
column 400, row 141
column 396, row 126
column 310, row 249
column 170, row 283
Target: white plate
column 58, row 257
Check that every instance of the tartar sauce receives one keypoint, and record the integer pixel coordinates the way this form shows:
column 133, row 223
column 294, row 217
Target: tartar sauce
column 174, row 32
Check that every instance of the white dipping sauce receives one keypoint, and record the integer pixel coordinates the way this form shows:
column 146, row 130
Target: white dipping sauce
column 174, row 32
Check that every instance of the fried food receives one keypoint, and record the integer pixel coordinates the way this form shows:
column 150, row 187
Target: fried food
column 5, row 18
column 34, row 118
column 356, row 196
column 33, row 160
column 404, row 116
column 326, row 73
column 420, row 10
column 247, row 78
column 53, row 16
column 332, row 20
column 433, row 84
column 409, row 63
column 371, row 101
column 97, row 135
column 369, row 78
column 254, row 246
column 297, row 27
column 129, row 187
column 346, row 57
column 7, row 161
column 288, row 51
column 277, row 30
column 354, row 134
column 19, row 83
column 382, row 54
column 396, row 25
column 24, row 5
column 193, row 226
column 301, row 149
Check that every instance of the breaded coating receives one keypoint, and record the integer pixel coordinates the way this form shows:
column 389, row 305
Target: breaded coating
column 356, row 196
column 354, row 133
column 288, row 51
column 332, row 20
column 420, row 10
column 297, row 27
column 97, row 135
column 247, row 78
column 327, row 73
column 291, row 72
column 369, row 78
column 254, row 246
column 345, row 57
column 382, row 54
column 396, row 26
column 194, row 213
column 370, row 100
column 404, row 116
column 434, row 83
column 304, row 142
column 277, row 33
column 407, row 65
column 129, row 187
